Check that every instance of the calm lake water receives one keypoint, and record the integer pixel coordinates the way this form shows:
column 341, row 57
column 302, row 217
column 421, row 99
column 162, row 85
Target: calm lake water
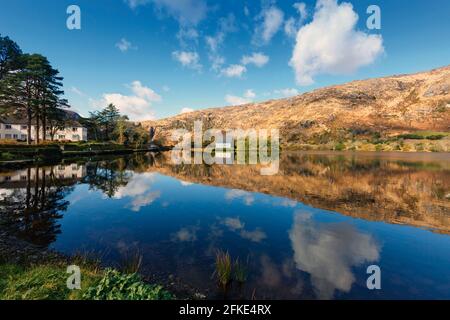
column 308, row 232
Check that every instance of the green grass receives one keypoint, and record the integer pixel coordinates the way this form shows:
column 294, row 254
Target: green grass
column 223, row 268
column 48, row 282
column 240, row 271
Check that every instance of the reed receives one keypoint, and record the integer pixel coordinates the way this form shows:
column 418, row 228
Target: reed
column 223, row 268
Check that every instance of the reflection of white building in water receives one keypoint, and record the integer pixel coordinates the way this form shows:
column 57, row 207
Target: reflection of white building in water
column 62, row 171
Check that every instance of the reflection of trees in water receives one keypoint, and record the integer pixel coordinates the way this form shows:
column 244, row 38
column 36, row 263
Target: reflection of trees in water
column 107, row 176
column 31, row 213
column 35, row 201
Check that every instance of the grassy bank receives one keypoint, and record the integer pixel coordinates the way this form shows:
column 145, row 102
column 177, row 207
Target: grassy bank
column 47, row 281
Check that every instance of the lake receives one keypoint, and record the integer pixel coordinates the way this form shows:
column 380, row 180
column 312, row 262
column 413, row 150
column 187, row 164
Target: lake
column 308, row 232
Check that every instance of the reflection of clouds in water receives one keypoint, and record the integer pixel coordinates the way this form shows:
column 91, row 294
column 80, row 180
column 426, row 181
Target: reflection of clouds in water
column 235, row 225
column 288, row 203
column 186, row 183
column 247, row 197
column 138, row 188
column 187, row 234
column 329, row 251
column 144, row 200
column 255, row 236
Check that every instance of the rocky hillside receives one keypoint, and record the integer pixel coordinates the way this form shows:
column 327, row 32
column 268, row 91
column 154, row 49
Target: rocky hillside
column 380, row 108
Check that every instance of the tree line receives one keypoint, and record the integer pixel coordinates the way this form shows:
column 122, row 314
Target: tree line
column 31, row 88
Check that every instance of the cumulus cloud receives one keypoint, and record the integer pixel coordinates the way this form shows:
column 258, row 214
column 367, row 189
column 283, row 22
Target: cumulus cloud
column 187, row 59
column 186, row 12
column 138, row 106
column 270, row 21
column 133, row 4
column 247, row 97
column 234, row 71
column 186, row 110
column 124, row 45
column 292, row 24
column 329, row 251
column 214, row 42
column 257, row 58
column 341, row 50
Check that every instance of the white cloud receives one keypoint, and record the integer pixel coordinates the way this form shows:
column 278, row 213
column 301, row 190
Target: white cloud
column 133, row 4
column 137, row 106
column 124, row 45
column 166, row 88
column 234, row 71
column 330, row 44
column 329, row 251
column 292, row 25
column 144, row 92
column 257, row 58
column 287, row 92
column 271, row 20
column 186, row 110
column 186, row 12
column 187, row 59
column 248, row 97
column 236, row 100
column 250, row 94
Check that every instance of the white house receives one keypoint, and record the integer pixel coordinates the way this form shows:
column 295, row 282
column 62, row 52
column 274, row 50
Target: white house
column 16, row 128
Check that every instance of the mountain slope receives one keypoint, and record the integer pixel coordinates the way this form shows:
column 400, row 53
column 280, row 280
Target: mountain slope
column 381, row 107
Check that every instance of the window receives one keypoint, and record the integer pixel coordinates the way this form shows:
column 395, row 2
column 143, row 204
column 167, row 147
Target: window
column 74, row 129
column 23, row 178
column 24, row 136
column 62, row 137
column 24, row 127
column 15, row 136
column 61, row 167
column 7, row 136
column 7, row 178
column 8, row 126
column 74, row 167
column 75, row 137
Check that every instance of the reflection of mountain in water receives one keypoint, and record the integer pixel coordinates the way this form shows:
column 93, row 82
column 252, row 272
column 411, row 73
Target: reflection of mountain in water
column 393, row 190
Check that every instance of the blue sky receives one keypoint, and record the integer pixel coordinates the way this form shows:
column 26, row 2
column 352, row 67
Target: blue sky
column 157, row 58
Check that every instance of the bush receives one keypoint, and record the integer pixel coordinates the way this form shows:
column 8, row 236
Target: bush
column 117, row 286
column 339, row 146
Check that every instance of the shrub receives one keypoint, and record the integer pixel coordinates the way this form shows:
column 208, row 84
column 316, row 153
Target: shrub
column 339, row 146
column 117, row 286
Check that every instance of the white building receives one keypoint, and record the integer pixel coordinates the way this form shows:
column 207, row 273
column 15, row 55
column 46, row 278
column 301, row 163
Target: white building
column 17, row 129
